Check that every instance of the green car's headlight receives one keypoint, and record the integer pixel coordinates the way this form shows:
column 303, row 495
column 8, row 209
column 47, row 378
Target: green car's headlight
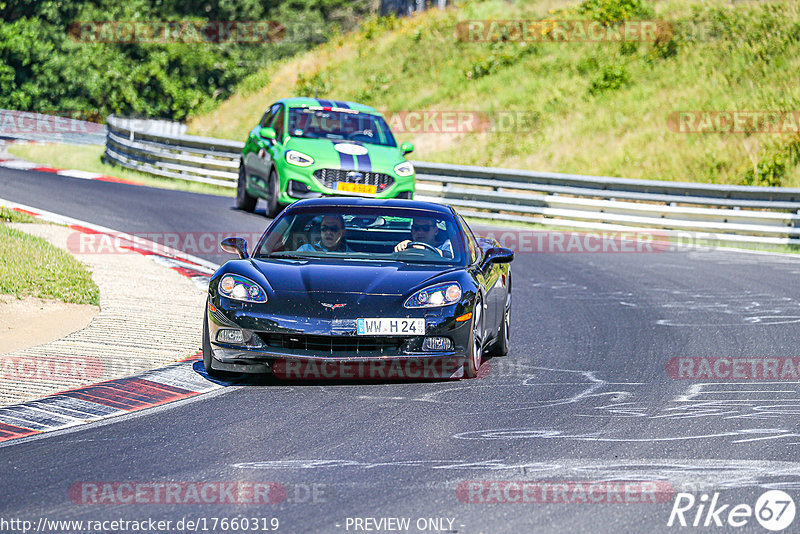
column 435, row 296
column 404, row 169
column 238, row 287
column 298, row 158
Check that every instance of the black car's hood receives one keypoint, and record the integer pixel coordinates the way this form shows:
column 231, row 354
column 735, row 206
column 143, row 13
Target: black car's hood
column 345, row 277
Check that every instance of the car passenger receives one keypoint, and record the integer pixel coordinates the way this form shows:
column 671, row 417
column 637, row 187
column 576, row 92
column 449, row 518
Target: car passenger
column 426, row 231
column 332, row 236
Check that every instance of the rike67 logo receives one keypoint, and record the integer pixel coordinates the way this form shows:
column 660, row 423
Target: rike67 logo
column 774, row 510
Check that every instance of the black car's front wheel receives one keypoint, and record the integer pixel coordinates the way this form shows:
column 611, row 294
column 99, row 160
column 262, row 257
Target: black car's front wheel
column 475, row 355
column 244, row 201
column 210, row 371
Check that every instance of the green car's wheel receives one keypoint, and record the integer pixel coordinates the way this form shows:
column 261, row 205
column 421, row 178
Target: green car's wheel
column 273, row 206
column 244, row 201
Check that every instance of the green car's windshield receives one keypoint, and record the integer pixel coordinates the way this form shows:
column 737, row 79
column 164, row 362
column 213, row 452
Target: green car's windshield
column 344, row 125
column 359, row 233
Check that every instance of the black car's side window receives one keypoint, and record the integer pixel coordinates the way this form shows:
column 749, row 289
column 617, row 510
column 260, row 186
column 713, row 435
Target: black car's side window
column 472, row 243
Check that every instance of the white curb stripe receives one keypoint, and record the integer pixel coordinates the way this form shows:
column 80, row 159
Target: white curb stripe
column 83, row 175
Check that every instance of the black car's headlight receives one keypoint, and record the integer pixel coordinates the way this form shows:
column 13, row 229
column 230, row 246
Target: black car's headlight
column 435, row 296
column 238, row 287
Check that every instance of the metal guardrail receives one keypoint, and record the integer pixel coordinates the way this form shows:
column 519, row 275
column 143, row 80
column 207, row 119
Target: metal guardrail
column 769, row 215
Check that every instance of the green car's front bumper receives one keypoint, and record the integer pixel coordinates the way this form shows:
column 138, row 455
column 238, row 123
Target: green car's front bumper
column 297, row 183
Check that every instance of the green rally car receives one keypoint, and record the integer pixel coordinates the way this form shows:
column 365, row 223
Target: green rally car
column 309, row 148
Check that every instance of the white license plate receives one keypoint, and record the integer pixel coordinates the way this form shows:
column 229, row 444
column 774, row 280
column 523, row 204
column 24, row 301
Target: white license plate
column 391, row 327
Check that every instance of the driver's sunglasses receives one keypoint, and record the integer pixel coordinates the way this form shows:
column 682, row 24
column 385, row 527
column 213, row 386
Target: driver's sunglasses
column 421, row 228
column 326, row 228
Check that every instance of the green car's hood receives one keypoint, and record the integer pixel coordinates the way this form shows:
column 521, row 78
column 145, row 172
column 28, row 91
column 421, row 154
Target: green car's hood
column 379, row 158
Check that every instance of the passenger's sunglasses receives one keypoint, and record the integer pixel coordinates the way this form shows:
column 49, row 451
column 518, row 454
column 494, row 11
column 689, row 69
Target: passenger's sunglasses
column 326, row 228
column 421, row 228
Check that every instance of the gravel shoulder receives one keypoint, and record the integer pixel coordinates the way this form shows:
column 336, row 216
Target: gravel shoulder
column 149, row 316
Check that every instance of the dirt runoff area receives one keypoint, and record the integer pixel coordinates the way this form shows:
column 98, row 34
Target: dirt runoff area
column 31, row 321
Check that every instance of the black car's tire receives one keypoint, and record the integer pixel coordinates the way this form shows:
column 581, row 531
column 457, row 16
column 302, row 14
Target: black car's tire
column 475, row 353
column 213, row 373
column 406, row 195
column 244, row 201
column 273, row 206
column 500, row 347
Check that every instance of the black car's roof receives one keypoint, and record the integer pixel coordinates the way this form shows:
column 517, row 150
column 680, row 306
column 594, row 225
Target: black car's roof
column 327, row 202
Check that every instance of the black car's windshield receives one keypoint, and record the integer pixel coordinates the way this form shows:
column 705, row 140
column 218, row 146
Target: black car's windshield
column 365, row 234
column 345, row 125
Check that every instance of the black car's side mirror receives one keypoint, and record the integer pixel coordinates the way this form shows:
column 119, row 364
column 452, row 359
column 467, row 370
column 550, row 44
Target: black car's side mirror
column 235, row 245
column 498, row 255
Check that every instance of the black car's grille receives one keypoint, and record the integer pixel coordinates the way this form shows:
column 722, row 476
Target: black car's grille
column 329, row 177
column 332, row 345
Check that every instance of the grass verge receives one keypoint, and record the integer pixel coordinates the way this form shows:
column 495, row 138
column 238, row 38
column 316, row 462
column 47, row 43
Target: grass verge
column 8, row 215
column 87, row 158
column 30, row 266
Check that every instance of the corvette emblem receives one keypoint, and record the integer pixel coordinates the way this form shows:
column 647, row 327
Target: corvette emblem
column 333, row 306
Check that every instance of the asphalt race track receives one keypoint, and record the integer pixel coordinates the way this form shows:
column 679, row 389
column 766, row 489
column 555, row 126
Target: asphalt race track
column 584, row 395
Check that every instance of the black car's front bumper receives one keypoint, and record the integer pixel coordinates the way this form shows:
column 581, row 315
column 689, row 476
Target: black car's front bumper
column 299, row 347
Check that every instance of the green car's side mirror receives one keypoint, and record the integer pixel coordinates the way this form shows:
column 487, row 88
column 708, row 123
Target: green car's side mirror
column 267, row 133
column 407, row 148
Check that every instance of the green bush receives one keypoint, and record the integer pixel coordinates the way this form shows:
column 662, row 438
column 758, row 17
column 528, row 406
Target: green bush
column 499, row 55
column 613, row 11
column 45, row 68
column 771, row 170
column 314, row 86
column 377, row 84
column 611, row 77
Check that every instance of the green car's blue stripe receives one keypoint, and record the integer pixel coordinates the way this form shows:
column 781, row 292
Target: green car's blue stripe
column 325, row 103
column 347, row 162
column 364, row 163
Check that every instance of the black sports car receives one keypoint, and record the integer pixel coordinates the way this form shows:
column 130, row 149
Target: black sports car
column 360, row 288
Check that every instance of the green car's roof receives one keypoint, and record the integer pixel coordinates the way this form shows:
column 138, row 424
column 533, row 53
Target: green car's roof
column 300, row 102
